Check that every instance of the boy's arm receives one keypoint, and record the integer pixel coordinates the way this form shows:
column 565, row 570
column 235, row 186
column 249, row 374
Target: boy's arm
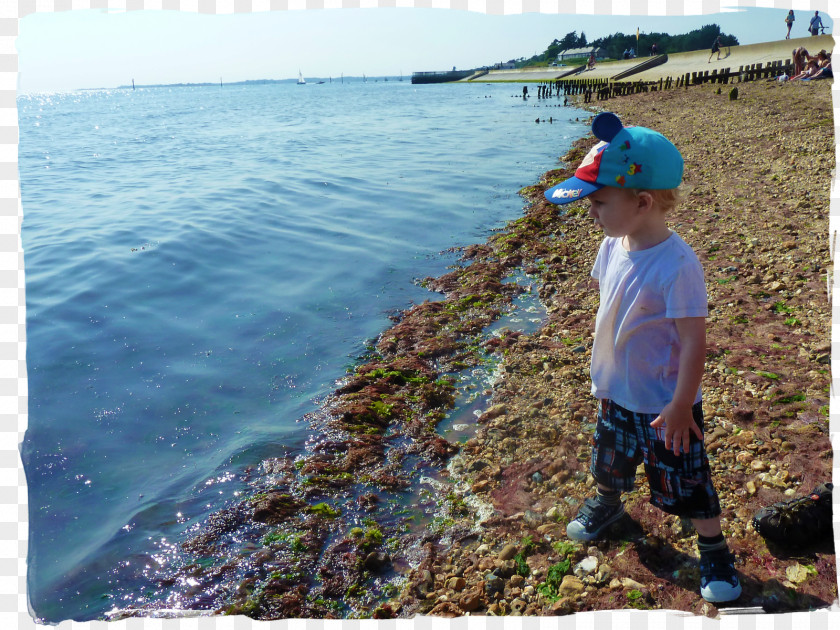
column 677, row 417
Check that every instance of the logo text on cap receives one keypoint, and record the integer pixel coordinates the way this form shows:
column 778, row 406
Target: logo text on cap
column 560, row 193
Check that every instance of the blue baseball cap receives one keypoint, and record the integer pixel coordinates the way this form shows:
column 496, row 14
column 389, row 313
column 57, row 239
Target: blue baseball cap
column 626, row 157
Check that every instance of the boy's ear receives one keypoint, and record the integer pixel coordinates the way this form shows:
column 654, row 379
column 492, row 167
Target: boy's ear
column 645, row 201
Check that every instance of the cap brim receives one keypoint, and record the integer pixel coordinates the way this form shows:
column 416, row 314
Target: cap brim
column 570, row 190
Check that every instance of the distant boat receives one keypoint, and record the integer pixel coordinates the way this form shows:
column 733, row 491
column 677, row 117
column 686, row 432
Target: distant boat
column 300, row 79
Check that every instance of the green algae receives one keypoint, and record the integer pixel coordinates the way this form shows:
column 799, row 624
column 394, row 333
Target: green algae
column 550, row 588
column 323, row 509
column 373, row 536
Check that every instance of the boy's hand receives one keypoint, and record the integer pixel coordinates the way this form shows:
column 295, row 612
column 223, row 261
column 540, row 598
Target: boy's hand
column 676, row 417
column 679, row 423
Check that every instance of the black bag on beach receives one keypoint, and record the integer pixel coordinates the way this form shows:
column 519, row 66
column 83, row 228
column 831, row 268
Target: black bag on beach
column 797, row 522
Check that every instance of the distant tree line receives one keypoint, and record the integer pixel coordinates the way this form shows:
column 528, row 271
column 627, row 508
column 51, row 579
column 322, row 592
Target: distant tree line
column 616, row 44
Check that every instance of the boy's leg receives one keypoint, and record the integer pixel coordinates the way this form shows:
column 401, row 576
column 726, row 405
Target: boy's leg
column 683, row 485
column 615, row 457
column 596, row 515
column 718, row 579
column 708, row 527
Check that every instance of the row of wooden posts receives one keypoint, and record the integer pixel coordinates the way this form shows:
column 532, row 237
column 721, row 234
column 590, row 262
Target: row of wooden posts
column 604, row 89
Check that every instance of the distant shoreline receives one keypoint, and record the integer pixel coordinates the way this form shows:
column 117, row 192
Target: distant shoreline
column 312, row 81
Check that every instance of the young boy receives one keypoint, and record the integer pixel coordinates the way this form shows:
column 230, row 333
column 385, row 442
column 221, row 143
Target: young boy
column 650, row 345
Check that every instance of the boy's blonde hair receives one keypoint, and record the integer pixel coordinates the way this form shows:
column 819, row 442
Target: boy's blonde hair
column 666, row 199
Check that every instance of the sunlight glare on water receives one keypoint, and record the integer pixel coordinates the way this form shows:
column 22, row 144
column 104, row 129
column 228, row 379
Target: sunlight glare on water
column 203, row 264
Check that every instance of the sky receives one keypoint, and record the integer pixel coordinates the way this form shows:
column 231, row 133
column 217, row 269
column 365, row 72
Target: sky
column 80, row 49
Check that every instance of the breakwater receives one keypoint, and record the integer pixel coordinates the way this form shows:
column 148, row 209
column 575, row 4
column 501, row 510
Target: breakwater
column 441, row 77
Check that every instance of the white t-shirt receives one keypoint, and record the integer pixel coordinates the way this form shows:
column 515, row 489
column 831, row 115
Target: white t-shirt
column 636, row 353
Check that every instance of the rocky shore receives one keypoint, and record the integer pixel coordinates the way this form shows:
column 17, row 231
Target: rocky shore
column 385, row 517
column 756, row 208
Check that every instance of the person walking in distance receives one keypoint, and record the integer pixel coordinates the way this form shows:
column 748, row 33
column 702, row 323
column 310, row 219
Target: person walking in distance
column 715, row 49
column 816, row 24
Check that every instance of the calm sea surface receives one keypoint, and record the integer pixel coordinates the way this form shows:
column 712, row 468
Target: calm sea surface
column 203, row 264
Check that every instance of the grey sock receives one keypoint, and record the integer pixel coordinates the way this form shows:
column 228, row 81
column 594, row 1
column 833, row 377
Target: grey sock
column 608, row 497
column 713, row 543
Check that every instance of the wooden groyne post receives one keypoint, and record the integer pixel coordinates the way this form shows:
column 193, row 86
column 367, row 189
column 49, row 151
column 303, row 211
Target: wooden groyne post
column 605, row 89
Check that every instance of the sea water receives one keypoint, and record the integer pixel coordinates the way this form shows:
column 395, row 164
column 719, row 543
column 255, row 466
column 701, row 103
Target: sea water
column 203, row 264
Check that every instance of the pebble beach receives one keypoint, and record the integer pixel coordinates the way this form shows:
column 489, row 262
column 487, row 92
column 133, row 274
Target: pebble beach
column 325, row 540
column 756, row 206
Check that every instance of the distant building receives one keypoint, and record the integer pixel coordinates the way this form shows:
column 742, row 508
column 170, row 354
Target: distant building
column 582, row 53
column 506, row 65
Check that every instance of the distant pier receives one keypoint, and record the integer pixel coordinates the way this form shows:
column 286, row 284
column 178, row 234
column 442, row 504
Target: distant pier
column 441, row 77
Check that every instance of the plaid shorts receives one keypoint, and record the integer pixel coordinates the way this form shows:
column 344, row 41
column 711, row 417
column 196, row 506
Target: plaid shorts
column 679, row 484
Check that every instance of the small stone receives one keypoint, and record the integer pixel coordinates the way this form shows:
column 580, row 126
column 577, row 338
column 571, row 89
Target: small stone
column 470, row 601
column 517, row 606
column 561, row 606
column 751, row 487
column 631, row 584
column 552, row 513
column 486, row 563
column 445, row 609
column 533, row 519
column 587, row 566
column 604, row 573
column 376, row 561
column 477, row 465
column 507, row 552
column 570, row 585
column 494, row 412
column 425, row 583
column 493, row 584
column 456, row 583
column 744, row 457
column 516, row 580
column 505, row 568
column 481, row 486
column 758, row 466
